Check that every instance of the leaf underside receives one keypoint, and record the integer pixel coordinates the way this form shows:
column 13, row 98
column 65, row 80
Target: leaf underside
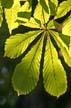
column 17, row 44
column 42, row 19
column 27, row 72
column 54, row 76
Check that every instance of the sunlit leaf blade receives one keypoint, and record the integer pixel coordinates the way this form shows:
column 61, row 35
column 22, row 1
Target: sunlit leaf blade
column 40, row 14
column 53, row 6
column 11, row 16
column 52, row 24
column 1, row 14
column 17, row 44
column 54, row 76
column 65, row 38
column 62, row 46
column 25, row 12
column 63, row 8
column 32, row 23
column 69, row 1
column 45, row 5
column 27, row 72
column 70, row 46
column 66, row 29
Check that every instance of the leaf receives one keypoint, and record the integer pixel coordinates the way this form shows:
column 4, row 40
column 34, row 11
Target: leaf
column 62, row 46
column 27, row 72
column 52, row 24
column 69, row 1
column 63, row 8
column 70, row 46
column 7, row 3
column 41, row 15
column 16, row 45
column 65, row 38
column 11, row 16
column 53, row 6
column 1, row 14
column 45, row 5
column 24, row 12
column 54, row 76
column 32, row 23
column 66, row 29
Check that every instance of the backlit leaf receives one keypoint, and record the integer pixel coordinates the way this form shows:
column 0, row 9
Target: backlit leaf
column 70, row 46
column 32, row 23
column 63, row 8
column 66, row 29
column 25, row 12
column 27, row 72
column 11, row 16
column 62, row 46
column 52, row 24
column 17, row 44
column 45, row 5
column 40, row 14
column 53, row 6
column 54, row 75
column 65, row 38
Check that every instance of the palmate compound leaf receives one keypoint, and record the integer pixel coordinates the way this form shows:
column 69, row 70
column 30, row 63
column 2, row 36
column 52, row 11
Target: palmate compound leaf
column 63, row 8
column 63, row 47
column 66, row 29
column 17, row 44
column 11, row 15
column 27, row 72
column 54, row 76
column 1, row 14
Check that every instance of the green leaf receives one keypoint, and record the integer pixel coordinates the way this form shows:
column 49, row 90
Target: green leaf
column 45, row 5
column 62, row 46
column 27, row 72
column 54, row 76
column 41, row 15
column 25, row 12
column 7, row 3
column 70, row 46
column 16, row 45
column 53, row 6
column 11, row 16
column 63, row 8
column 69, row 1
column 65, row 38
column 52, row 24
column 1, row 14
column 66, row 29
column 32, row 23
